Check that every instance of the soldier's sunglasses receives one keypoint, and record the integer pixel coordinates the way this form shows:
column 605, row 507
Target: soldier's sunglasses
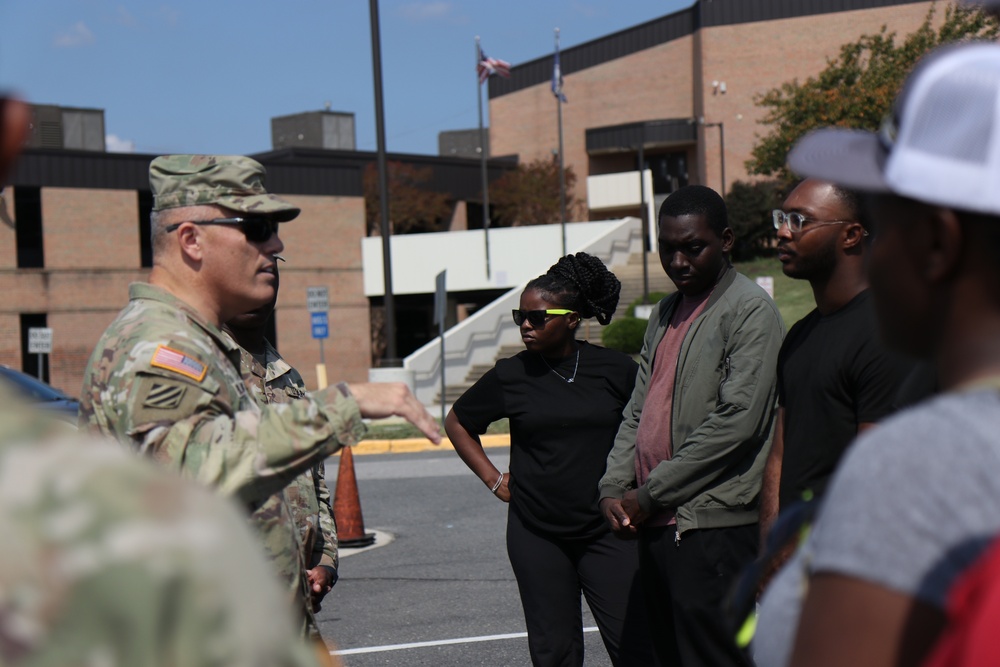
column 257, row 230
column 537, row 318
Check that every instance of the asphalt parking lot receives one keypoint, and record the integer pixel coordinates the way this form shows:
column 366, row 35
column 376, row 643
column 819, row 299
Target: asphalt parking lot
column 437, row 588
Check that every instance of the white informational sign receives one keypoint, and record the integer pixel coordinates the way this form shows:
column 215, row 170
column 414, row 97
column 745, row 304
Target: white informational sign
column 39, row 340
column 317, row 299
column 767, row 282
column 643, row 311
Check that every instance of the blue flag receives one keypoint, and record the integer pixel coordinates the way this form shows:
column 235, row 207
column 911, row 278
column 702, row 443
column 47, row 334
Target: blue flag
column 557, row 80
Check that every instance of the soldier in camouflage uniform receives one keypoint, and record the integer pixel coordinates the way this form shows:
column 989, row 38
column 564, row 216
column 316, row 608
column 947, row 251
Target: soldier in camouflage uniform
column 110, row 561
column 270, row 379
column 165, row 379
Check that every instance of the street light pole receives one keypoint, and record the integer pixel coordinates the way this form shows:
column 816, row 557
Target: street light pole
column 645, row 220
column 383, row 187
column 722, row 152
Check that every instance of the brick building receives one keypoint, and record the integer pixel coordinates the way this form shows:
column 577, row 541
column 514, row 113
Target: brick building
column 74, row 223
column 677, row 85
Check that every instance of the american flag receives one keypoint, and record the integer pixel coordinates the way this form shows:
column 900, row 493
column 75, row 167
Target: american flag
column 173, row 360
column 487, row 67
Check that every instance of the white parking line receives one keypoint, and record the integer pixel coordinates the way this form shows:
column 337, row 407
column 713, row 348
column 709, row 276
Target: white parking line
column 441, row 642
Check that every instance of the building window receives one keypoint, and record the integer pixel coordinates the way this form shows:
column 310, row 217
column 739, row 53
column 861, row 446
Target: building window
column 29, row 362
column 28, row 228
column 145, row 230
column 670, row 172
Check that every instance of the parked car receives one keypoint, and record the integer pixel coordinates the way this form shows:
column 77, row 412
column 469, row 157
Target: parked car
column 42, row 395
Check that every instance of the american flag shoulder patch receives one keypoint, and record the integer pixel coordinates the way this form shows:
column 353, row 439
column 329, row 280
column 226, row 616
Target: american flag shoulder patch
column 178, row 362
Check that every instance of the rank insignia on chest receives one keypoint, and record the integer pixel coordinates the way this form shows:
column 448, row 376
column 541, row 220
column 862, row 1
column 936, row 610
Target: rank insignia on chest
column 178, row 362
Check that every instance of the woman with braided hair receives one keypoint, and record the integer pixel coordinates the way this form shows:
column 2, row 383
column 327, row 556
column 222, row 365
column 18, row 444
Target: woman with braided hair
column 564, row 399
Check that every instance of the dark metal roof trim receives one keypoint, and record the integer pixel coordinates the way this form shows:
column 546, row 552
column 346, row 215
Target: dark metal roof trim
column 603, row 49
column 705, row 13
column 729, row 12
column 291, row 171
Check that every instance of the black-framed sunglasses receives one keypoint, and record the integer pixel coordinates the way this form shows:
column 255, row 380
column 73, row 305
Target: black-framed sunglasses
column 257, row 229
column 537, row 318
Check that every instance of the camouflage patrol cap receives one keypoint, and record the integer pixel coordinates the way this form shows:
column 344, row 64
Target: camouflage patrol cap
column 232, row 181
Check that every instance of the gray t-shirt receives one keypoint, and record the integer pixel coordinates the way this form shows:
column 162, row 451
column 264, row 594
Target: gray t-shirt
column 913, row 504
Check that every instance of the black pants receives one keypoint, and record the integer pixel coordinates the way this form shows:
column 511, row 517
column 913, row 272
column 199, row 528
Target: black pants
column 551, row 573
column 686, row 583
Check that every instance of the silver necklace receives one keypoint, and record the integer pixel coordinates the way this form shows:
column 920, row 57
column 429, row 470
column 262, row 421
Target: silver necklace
column 561, row 376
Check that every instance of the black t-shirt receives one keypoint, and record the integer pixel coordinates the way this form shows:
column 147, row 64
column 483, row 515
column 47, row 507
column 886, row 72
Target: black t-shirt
column 833, row 374
column 560, row 432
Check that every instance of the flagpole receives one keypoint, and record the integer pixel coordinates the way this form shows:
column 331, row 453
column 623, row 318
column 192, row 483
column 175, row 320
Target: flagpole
column 482, row 155
column 383, row 188
column 562, row 172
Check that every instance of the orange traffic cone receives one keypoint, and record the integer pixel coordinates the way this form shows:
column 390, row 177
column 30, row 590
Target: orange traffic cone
column 347, row 505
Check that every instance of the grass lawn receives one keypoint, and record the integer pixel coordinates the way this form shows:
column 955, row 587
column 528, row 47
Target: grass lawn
column 794, row 297
column 398, row 429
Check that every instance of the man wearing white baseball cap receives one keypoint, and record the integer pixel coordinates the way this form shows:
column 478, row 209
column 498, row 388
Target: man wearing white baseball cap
column 917, row 499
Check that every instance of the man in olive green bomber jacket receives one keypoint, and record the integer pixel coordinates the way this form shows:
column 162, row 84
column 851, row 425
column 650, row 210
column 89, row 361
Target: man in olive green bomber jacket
column 685, row 471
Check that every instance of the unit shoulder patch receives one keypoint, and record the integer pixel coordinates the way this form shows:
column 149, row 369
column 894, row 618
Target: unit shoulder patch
column 164, row 396
column 170, row 359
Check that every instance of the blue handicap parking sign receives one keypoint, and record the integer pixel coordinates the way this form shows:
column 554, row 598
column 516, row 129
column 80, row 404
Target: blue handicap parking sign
column 320, row 325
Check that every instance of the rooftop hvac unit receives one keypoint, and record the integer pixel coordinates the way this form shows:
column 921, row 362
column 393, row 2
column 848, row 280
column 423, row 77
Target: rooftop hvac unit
column 66, row 127
column 332, row 130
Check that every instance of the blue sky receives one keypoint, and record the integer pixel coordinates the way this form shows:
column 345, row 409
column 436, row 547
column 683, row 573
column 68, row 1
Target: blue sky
column 208, row 75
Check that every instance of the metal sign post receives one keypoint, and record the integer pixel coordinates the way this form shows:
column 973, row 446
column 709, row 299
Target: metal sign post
column 318, row 303
column 440, row 310
column 40, row 343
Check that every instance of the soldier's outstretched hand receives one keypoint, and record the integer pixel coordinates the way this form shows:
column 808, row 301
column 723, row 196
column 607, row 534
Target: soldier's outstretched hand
column 388, row 399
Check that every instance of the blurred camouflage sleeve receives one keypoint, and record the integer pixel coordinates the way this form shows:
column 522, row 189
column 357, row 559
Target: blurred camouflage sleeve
column 109, row 560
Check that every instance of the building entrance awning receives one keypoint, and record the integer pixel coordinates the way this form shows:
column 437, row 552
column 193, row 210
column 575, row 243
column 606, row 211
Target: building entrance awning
column 650, row 134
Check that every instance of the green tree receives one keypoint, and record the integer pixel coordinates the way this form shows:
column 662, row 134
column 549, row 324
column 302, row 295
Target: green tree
column 412, row 207
column 529, row 195
column 749, row 206
column 857, row 88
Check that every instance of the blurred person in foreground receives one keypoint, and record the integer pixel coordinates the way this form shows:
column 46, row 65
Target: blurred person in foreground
column 109, row 560
column 165, row 380
column 685, row 470
column 917, row 498
column 270, row 379
column 564, row 399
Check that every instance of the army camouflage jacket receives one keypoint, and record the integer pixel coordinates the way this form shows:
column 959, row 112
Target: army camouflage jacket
column 108, row 560
column 308, row 495
column 167, row 382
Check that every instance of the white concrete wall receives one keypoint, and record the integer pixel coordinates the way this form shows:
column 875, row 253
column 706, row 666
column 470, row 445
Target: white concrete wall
column 476, row 339
column 621, row 190
column 517, row 254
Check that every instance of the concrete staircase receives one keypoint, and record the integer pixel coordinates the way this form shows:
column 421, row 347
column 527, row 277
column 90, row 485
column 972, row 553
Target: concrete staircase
column 453, row 391
column 630, row 275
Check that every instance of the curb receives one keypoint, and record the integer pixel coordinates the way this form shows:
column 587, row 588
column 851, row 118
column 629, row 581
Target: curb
column 409, row 445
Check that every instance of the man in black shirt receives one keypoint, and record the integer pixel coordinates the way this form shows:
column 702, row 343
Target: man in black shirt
column 835, row 378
